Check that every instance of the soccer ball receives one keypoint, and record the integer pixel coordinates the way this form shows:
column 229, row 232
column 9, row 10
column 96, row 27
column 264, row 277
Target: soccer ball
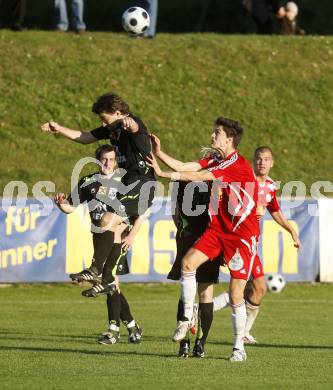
column 135, row 20
column 275, row 283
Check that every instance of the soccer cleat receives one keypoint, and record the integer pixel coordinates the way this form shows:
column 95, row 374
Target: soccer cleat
column 184, row 349
column 86, row 275
column 238, row 356
column 181, row 330
column 194, row 319
column 134, row 334
column 249, row 339
column 98, row 289
column 110, row 337
column 198, row 349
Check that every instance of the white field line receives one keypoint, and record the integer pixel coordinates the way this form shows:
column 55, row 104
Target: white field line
column 149, row 302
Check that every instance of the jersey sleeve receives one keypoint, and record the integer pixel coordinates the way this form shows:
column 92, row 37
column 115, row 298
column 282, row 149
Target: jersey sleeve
column 204, row 162
column 273, row 205
column 101, row 132
column 77, row 190
column 141, row 138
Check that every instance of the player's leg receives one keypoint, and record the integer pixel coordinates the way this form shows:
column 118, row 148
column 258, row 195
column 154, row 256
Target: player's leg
column 183, row 242
column 102, row 243
column 134, row 331
column 238, row 317
column 110, row 221
column 107, row 284
column 221, row 301
column 205, row 317
column 239, row 255
column 113, row 306
column 188, row 287
column 207, row 247
column 254, row 293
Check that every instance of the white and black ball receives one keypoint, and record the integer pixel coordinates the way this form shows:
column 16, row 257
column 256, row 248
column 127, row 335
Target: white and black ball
column 275, row 283
column 135, row 20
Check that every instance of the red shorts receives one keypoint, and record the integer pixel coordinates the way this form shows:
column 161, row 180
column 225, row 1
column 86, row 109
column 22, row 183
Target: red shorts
column 257, row 269
column 238, row 253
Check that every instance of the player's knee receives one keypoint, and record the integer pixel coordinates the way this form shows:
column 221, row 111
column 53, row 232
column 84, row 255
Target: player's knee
column 260, row 287
column 187, row 265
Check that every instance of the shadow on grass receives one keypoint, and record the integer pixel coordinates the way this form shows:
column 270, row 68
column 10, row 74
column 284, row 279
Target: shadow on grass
column 288, row 346
column 85, row 351
column 11, row 335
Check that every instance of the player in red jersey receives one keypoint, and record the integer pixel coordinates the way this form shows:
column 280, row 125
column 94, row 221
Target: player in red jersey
column 232, row 231
column 256, row 288
column 191, row 219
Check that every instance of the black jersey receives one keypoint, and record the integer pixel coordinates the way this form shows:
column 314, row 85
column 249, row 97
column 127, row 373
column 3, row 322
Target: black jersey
column 192, row 224
column 131, row 150
column 101, row 193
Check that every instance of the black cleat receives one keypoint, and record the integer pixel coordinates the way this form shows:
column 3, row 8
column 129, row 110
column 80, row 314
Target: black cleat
column 86, row 275
column 135, row 334
column 198, row 349
column 98, row 289
column 184, row 349
column 110, row 337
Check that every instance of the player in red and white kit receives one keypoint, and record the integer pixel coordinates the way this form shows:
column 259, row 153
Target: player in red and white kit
column 256, row 288
column 232, row 231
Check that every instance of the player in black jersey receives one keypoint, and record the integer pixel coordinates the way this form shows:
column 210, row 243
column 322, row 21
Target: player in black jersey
column 190, row 226
column 132, row 144
column 100, row 191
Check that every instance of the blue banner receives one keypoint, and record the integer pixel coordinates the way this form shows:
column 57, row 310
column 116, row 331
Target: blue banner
column 46, row 248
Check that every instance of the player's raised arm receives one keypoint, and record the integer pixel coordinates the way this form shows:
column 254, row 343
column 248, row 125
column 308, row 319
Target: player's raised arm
column 171, row 162
column 283, row 222
column 78, row 136
column 202, row 175
column 64, row 204
column 130, row 125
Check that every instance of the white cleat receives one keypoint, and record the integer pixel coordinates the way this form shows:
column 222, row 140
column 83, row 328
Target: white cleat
column 181, row 330
column 249, row 339
column 238, row 356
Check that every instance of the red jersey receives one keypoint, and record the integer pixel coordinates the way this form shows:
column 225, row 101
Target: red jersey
column 233, row 215
column 208, row 162
column 267, row 197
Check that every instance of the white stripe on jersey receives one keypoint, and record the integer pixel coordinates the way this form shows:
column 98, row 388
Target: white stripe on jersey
column 226, row 163
column 248, row 208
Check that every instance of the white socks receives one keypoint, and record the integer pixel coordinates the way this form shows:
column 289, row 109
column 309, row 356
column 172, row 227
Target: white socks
column 252, row 312
column 221, row 301
column 188, row 289
column 238, row 319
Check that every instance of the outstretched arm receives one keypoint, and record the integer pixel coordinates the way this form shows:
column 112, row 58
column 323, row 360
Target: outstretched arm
column 79, row 136
column 202, row 175
column 171, row 162
column 61, row 200
column 283, row 222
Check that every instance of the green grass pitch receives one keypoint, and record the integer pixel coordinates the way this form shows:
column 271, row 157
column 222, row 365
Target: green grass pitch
column 48, row 340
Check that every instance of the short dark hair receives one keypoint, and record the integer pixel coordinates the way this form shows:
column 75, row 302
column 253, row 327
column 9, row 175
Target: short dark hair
column 110, row 103
column 232, row 129
column 103, row 149
column 263, row 149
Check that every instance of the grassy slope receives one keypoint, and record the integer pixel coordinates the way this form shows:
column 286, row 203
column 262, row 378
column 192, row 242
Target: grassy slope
column 280, row 88
column 48, row 340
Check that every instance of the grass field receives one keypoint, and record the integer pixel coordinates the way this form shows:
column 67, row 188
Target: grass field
column 280, row 88
column 48, row 340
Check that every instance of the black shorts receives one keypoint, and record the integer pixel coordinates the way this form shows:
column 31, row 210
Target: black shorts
column 137, row 200
column 122, row 266
column 115, row 267
column 206, row 273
